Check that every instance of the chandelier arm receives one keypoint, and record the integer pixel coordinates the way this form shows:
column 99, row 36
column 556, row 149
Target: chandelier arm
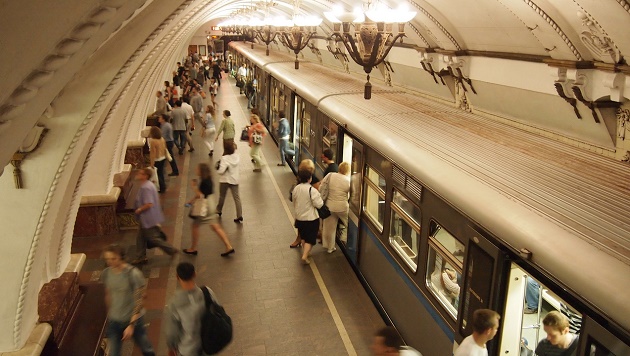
column 351, row 47
column 389, row 48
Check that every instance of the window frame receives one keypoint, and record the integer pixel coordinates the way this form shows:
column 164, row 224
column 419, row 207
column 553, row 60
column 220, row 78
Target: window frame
column 412, row 263
column 368, row 183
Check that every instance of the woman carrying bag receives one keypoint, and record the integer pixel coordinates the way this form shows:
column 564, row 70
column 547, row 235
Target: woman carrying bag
column 201, row 211
column 256, row 132
column 306, row 201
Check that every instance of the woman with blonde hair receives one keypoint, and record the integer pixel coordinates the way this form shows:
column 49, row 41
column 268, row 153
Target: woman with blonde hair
column 203, row 189
column 209, row 130
column 158, row 154
column 335, row 188
column 306, row 201
column 256, row 132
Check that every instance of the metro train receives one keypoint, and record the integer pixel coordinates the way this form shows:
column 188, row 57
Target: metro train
column 451, row 211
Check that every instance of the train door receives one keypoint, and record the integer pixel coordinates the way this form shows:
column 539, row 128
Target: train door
column 598, row 341
column 353, row 154
column 485, row 269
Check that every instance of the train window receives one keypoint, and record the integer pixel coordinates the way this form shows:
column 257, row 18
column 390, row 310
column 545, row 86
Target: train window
column 354, row 151
column 405, row 229
column 444, row 267
column 374, row 204
column 306, row 126
column 329, row 136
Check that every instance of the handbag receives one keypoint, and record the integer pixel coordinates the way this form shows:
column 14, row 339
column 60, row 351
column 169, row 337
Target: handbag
column 257, row 137
column 199, row 208
column 323, row 212
column 244, row 135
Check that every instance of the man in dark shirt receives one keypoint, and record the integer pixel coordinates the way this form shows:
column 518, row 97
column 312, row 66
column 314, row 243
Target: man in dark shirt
column 327, row 158
column 559, row 341
column 216, row 72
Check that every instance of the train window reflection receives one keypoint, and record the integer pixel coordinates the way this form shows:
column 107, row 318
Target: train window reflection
column 374, row 204
column 444, row 280
column 410, row 209
column 404, row 238
column 447, row 241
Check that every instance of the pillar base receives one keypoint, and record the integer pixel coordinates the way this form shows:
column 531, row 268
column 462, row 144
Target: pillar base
column 135, row 154
column 97, row 215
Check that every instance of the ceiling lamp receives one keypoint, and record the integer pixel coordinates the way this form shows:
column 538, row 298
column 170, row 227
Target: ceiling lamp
column 372, row 38
column 299, row 33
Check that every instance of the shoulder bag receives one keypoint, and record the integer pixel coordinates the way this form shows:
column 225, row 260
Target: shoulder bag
column 199, row 208
column 323, row 212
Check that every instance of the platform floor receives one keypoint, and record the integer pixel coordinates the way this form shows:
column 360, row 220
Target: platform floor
column 278, row 305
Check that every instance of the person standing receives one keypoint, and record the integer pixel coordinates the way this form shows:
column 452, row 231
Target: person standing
column 327, row 158
column 179, row 126
column 160, row 105
column 227, row 128
column 387, row 342
column 241, row 77
column 150, row 214
column 157, row 155
column 190, row 122
column 227, row 168
column 560, row 341
column 167, row 134
column 124, row 295
column 216, row 72
column 335, row 188
column 284, row 133
column 214, row 90
column 203, row 190
column 184, row 313
column 306, row 201
column 256, row 128
column 485, row 323
column 196, row 101
column 210, row 129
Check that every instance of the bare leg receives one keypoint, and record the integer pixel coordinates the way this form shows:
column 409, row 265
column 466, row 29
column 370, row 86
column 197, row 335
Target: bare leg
column 195, row 238
column 221, row 233
column 307, row 250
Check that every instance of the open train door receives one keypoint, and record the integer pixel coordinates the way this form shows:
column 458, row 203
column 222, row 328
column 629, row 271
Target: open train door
column 486, row 269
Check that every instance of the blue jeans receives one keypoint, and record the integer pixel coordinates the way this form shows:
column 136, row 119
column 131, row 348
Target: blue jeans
column 532, row 294
column 285, row 150
column 115, row 331
column 179, row 137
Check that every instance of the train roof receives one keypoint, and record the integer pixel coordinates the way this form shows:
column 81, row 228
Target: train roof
column 568, row 206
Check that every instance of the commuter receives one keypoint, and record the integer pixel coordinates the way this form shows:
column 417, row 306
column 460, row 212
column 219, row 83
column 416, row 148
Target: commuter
column 196, row 101
column 560, row 341
column 284, row 133
column 150, row 214
column 485, row 323
column 179, row 126
column 387, row 342
column 227, row 128
column 227, row 168
column 308, row 165
column 158, row 154
column 167, row 134
column 256, row 129
column 327, row 158
column 252, row 93
column 306, row 201
column 532, row 296
column 206, row 70
column 210, row 129
column 335, row 196
column 124, row 295
column 241, row 77
column 216, row 72
column 184, row 313
column 160, row 105
column 201, row 77
column 176, row 78
column 214, row 90
column 194, row 68
column 190, row 122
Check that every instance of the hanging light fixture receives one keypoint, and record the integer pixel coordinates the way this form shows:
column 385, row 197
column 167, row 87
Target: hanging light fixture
column 299, row 33
column 372, row 38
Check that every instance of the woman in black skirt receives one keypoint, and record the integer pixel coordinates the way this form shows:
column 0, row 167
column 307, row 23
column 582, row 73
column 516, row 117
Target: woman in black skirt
column 306, row 201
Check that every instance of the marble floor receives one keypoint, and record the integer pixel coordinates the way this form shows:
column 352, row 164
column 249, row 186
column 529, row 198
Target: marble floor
column 278, row 305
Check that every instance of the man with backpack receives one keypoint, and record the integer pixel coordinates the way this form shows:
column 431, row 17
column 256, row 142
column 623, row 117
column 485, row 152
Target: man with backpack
column 195, row 322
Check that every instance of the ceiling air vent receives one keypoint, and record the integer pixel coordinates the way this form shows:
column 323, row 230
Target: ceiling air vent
column 409, row 184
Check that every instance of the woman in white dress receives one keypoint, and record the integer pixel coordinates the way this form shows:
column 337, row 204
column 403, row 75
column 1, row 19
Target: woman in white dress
column 334, row 189
column 210, row 129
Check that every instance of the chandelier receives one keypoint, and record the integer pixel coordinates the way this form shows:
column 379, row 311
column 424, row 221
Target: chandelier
column 373, row 35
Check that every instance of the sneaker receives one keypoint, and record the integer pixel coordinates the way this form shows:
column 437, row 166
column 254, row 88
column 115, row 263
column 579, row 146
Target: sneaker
column 530, row 311
column 331, row 250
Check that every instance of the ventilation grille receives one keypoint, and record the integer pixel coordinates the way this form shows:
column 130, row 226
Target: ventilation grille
column 409, row 184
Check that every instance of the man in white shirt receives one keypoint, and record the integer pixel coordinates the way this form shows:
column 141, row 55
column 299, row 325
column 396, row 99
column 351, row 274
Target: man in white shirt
column 485, row 324
column 387, row 342
column 241, row 75
column 190, row 123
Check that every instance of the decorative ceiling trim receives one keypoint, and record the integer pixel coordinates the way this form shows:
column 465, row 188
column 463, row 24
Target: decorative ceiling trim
column 417, row 32
column 438, row 24
column 625, row 4
column 596, row 40
column 556, row 28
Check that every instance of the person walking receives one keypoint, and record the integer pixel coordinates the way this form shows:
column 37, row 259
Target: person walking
column 306, row 201
column 256, row 133
column 284, row 133
column 167, row 134
column 334, row 189
column 149, row 212
column 157, row 154
column 190, row 122
column 209, row 129
column 227, row 128
column 124, row 295
column 178, row 116
column 214, row 90
column 227, row 168
column 203, row 189
column 184, row 313
column 196, row 101
column 387, row 342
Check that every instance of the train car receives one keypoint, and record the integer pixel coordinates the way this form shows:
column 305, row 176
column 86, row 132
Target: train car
column 451, row 212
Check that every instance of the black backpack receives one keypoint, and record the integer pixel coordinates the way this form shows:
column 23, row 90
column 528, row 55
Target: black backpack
column 216, row 326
